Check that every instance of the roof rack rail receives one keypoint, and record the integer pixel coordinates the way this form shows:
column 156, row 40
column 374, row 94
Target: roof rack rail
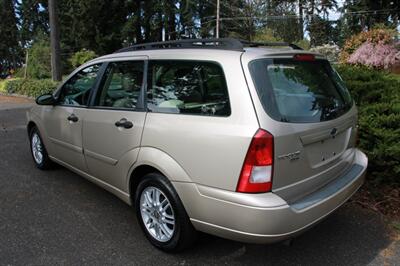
column 271, row 44
column 213, row 43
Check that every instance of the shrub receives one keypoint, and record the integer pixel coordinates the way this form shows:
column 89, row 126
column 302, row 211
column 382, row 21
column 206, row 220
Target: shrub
column 331, row 51
column 82, row 57
column 377, row 56
column 304, row 43
column 3, row 83
column 378, row 99
column 39, row 61
column 29, row 87
column 266, row 35
column 375, row 36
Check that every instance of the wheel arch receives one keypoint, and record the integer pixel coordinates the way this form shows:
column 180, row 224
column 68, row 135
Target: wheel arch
column 136, row 177
column 150, row 160
column 29, row 127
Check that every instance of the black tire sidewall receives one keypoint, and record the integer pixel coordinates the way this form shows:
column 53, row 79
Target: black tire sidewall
column 160, row 182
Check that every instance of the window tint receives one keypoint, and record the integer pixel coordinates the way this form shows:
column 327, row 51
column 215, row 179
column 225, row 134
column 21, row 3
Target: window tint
column 76, row 90
column 121, row 85
column 300, row 91
column 188, row 87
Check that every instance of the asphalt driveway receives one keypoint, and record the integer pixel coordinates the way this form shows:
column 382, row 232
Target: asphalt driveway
column 56, row 217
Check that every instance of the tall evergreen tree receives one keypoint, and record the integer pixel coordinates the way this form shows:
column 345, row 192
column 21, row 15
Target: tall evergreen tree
column 242, row 18
column 33, row 17
column 317, row 20
column 10, row 52
column 92, row 24
column 207, row 17
column 284, row 20
column 132, row 29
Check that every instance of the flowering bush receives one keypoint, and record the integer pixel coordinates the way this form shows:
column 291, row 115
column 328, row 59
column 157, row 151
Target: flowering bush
column 374, row 36
column 331, row 51
column 377, row 56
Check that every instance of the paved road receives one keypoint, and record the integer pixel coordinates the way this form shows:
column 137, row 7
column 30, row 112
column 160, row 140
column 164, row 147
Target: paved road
column 56, row 217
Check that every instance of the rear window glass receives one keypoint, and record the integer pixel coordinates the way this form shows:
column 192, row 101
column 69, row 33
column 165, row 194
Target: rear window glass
column 300, row 91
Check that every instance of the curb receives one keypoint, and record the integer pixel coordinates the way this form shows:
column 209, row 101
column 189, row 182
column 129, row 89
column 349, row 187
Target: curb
column 17, row 95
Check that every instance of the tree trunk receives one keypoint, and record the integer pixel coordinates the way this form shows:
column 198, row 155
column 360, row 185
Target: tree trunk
column 54, row 41
column 138, row 24
column 301, row 20
column 170, row 27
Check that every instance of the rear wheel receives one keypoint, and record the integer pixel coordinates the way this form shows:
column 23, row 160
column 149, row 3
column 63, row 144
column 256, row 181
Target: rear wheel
column 38, row 151
column 162, row 215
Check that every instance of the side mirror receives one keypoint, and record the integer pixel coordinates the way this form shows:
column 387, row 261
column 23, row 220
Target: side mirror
column 46, row 99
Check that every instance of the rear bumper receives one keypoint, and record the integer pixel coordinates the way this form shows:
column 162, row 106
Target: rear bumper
column 266, row 218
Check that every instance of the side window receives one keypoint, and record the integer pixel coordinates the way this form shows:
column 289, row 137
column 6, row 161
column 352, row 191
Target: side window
column 121, row 85
column 76, row 90
column 187, row 87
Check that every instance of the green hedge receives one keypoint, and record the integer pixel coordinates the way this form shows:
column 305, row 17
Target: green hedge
column 29, row 87
column 377, row 95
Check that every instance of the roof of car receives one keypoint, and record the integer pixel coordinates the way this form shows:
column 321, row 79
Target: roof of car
column 207, row 49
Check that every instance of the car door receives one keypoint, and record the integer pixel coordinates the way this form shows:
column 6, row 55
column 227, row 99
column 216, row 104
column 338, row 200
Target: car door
column 63, row 122
column 113, row 124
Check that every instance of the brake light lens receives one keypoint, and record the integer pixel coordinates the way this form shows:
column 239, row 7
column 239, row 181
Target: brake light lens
column 304, row 57
column 256, row 174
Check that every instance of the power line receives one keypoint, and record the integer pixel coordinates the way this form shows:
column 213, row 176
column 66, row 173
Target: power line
column 383, row 11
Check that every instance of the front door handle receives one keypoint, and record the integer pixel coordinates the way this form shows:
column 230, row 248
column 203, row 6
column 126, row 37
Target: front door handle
column 124, row 123
column 73, row 118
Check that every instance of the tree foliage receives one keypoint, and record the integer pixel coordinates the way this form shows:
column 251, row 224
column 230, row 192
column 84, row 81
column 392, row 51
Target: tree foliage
column 91, row 24
column 32, row 19
column 39, row 65
column 105, row 26
column 10, row 50
column 82, row 57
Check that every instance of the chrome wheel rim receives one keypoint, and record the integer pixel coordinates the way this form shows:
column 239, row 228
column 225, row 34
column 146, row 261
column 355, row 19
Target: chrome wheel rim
column 37, row 148
column 157, row 214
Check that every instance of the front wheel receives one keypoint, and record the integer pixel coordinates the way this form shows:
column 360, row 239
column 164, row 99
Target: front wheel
column 38, row 151
column 162, row 215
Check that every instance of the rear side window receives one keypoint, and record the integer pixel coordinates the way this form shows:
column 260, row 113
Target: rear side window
column 187, row 87
column 121, row 85
column 300, row 91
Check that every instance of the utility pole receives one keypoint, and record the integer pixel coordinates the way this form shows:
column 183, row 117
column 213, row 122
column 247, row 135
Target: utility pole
column 54, row 41
column 26, row 64
column 217, row 27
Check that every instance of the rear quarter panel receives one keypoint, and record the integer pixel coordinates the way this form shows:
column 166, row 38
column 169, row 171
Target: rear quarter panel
column 209, row 149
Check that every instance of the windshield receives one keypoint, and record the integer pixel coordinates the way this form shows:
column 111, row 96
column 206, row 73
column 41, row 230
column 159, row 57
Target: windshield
column 300, row 91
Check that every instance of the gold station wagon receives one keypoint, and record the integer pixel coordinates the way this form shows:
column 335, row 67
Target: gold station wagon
column 247, row 141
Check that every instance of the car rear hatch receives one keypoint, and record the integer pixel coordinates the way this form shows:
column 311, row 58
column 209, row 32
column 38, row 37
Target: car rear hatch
column 307, row 108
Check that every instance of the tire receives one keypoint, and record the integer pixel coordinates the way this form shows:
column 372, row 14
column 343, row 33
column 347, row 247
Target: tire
column 38, row 151
column 171, row 238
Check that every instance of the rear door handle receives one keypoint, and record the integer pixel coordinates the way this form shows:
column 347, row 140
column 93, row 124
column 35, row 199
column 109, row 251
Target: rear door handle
column 124, row 123
column 73, row 118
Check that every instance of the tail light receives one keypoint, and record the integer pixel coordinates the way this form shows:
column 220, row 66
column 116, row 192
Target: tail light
column 256, row 174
